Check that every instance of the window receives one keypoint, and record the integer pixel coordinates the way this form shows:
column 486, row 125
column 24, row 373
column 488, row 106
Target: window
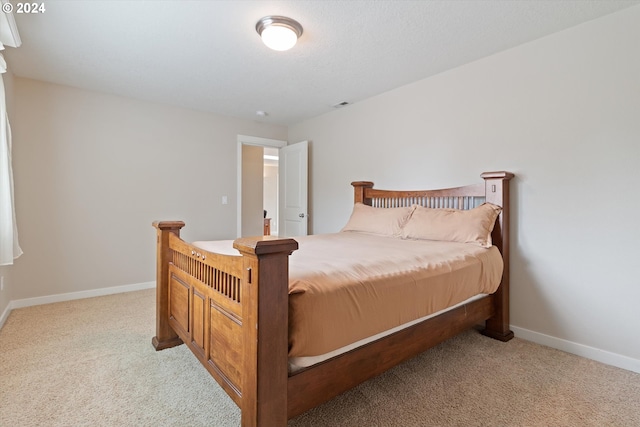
column 9, row 247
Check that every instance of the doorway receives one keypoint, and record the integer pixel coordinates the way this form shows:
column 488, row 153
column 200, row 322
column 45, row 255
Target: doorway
column 270, row 190
column 258, row 186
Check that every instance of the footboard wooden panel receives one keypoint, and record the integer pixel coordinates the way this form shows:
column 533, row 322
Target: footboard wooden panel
column 214, row 304
column 232, row 311
column 204, row 308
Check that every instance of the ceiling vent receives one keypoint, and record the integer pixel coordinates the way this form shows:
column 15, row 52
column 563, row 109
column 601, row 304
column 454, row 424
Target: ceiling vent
column 341, row 104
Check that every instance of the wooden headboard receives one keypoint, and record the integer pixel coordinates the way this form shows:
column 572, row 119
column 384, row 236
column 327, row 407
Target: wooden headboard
column 495, row 189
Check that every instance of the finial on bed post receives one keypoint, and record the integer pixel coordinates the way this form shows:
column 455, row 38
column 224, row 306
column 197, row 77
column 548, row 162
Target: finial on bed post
column 359, row 188
column 165, row 335
column 497, row 192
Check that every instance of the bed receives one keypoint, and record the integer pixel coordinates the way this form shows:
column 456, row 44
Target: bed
column 239, row 305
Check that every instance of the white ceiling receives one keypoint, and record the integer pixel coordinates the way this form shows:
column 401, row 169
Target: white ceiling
column 206, row 55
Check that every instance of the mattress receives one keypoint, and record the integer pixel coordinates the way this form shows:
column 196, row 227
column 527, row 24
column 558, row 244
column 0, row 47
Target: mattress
column 349, row 287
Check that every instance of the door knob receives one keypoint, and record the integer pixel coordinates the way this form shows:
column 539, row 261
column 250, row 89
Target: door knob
column 301, row 215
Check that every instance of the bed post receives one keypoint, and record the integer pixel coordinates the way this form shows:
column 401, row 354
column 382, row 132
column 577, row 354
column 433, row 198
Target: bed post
column 359, row 188
column 165, row 335
column 265, row 317
column 497, row 192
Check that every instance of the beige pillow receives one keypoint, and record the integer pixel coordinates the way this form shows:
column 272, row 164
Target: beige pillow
column 382, row 221
column 453, row 225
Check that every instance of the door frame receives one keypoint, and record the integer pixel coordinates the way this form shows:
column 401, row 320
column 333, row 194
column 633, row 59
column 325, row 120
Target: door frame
column 256, row 141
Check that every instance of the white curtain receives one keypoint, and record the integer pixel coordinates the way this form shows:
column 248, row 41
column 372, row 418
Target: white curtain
column 9, row 247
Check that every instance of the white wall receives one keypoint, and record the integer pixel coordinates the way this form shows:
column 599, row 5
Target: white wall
column 92, row 171
column 271, row 195
column 252, row 190
column 563, row 114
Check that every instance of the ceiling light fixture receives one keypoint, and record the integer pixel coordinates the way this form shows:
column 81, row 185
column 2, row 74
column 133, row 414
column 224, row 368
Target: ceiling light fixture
column 279, row 32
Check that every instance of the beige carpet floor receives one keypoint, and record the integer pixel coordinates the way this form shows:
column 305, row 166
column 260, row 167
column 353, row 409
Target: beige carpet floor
column 90, row 363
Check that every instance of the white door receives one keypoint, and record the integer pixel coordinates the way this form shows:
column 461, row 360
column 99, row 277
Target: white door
column 293, row 168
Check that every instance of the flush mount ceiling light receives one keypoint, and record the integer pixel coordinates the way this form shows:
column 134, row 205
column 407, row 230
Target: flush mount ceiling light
column 279, row 32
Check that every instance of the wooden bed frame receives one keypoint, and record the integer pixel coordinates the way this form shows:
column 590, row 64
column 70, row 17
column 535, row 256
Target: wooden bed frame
column 232, row 311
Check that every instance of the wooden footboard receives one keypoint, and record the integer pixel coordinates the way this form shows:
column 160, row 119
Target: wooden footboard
column 232, row 311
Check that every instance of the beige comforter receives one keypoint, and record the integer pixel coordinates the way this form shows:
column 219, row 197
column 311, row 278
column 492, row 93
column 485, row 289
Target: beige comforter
column 348, row 286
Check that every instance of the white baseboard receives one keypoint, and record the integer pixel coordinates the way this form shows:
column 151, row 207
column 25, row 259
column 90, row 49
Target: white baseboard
column 582, row 350
column 28, row 302
column 5, row 314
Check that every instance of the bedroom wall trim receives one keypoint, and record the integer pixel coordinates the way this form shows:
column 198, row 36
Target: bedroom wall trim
column 5, row 314
column 603, row 356
column 28, row 302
